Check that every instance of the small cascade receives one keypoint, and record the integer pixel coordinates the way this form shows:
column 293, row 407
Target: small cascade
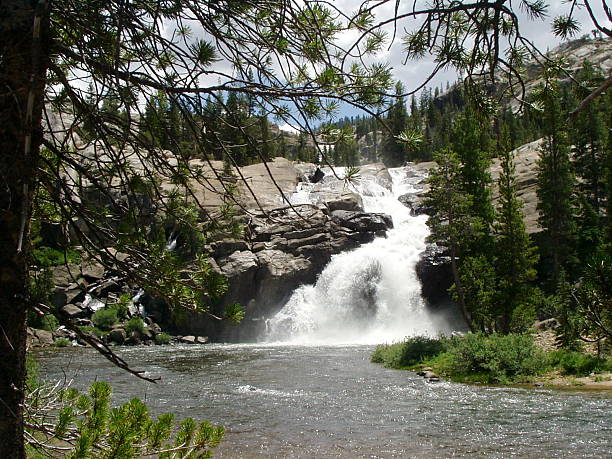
column 171, row 243
column 370, row 294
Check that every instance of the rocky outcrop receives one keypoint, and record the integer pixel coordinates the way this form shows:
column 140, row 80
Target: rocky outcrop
column 283, row 249
column 434, row 272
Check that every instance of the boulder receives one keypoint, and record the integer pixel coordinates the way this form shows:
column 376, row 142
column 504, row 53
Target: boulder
column 414, row 201
column 435, row 273
column 64, row 276
column 239, row 263
column 117, row 335
column 362, row 221
column 104, row 287
column 92, row 271
column 190, row 339
column 346, row 201
column 134, row 338
column 73, row 311
column 316, row 176
column 202, row 339
column 39, row 338
column 84, row 322
column 227, row 246
column 377, row 172
column 548, row 324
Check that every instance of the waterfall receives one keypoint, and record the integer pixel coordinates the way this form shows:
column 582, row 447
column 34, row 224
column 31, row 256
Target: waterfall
column 370, row 294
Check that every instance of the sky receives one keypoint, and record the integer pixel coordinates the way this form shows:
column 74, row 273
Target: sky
column 538, row 31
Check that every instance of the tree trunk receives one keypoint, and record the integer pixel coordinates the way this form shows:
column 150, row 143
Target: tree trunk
column 21, row 90
column 459, row 288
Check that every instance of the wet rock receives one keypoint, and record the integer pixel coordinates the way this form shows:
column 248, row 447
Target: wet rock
column 415, row 202
column 362, row 221
column 105, row 287
column 134, row 339
column 435, row 273
column 147, row 335
column 63, row 332
column 190, row 339
column 202, row 339
column 347, row 201
column 84, row 323
column 316, row 176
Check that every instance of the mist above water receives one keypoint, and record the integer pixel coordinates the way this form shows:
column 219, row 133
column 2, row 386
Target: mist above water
column 370, row 294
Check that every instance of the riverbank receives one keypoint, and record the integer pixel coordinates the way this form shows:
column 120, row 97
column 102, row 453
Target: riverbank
column 497, row 359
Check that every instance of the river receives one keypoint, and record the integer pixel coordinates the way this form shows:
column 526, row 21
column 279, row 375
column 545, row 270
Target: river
column 291, row 396
column 322, row 402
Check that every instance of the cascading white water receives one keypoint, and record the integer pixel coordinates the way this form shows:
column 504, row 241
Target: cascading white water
column 370, row 294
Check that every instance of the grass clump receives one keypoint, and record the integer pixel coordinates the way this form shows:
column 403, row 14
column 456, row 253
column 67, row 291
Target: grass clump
column 408, row 353
column 61, row 342
column 105, row 318
column 578, row 363
column 135, row 324
column 162, row 338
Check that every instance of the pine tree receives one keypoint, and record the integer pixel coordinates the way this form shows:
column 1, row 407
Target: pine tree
column 467, row 139
column 451, row 223
column 555, row 184
column 394, row 152
column 588, row 136
column 516, row 257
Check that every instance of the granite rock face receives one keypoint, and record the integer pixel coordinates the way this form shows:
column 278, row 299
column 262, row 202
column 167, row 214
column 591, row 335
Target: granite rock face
column 285, row 248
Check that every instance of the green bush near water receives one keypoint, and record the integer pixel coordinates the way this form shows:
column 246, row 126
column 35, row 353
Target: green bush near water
column 487, row 358
column 105, row 318
column 493, row 358
column 408, row 353
column 135, row 324
column 162, row 338
column 61, row 342
column 579, row 364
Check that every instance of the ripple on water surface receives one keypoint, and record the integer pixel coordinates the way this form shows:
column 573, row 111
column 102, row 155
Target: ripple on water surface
column 291, row 401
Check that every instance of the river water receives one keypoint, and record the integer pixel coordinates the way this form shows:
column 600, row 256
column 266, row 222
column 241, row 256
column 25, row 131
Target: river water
column 321, row 402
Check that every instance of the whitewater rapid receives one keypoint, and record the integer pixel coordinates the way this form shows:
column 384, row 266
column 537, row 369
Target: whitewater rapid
column 371, row 294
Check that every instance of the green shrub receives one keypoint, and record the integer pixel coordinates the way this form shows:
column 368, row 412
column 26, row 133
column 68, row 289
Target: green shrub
column 122, row 305
column 578, row 363
column 61, row 342
column 408, row 353
column 104, row 318
column 47, row 256
column 162, row 338
column 496, row 358
column 42, row 322
column 135, row 324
